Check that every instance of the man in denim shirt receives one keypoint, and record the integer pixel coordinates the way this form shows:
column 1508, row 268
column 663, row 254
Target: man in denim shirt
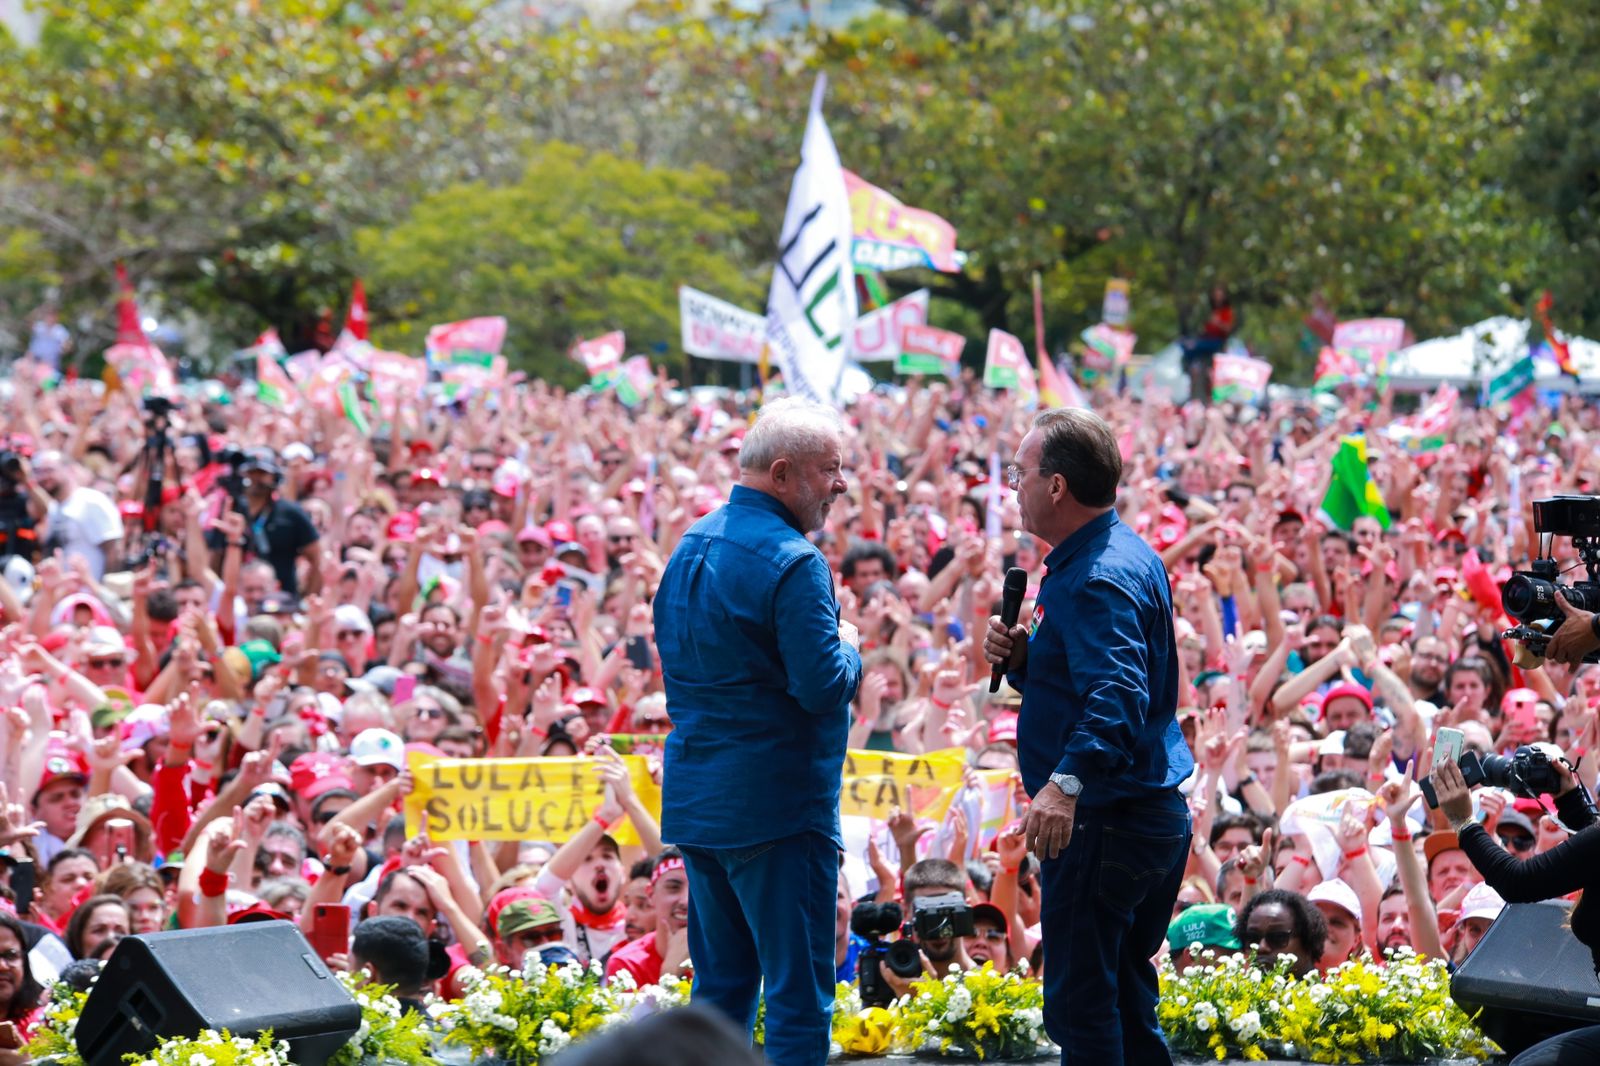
column 759, row 674
column 1100, row 749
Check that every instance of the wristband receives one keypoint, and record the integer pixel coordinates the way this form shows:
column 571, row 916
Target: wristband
column 601, row 822
column 1401, row 837
column 212, row 883
column 1301, row 859
column 539, row 734
column 1356, row 854
column 259, row 710
column 484, row 639
column 1265, row 568
column 937, row 702
column 339, row 871
column 1013, row 870
column 1250, row 880
column 1246, row 781
column 238, row 543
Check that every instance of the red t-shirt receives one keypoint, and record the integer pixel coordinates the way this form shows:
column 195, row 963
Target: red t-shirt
column 640, row 958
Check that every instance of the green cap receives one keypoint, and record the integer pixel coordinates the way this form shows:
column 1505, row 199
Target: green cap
column 1208, row 924
column 261, row 654
column 526, row 914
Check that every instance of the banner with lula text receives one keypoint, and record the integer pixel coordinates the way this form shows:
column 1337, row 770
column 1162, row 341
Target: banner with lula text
column 891, row 236
column 928, row 350
column 516, row 799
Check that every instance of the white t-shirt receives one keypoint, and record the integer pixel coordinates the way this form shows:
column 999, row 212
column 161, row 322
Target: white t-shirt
column 82, row 522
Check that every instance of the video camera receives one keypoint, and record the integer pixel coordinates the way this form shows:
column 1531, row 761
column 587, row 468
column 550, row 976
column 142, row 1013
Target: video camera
column 1529, row 596
column 932, row 918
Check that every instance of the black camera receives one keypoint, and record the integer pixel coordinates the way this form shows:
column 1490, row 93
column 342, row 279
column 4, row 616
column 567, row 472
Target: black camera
column 872, row 922
column 1529, row 772
column 1529, row 596
column 159, row 406
column 942, row 917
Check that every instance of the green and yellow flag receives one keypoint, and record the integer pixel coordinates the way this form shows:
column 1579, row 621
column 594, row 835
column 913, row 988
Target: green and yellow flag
column 1352, row 492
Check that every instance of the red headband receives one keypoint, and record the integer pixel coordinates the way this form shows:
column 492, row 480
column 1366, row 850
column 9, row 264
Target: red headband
column 664, row 869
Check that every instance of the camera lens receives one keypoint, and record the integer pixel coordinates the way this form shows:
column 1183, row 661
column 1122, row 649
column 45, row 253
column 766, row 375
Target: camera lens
column 1497, row 770
column 1528, row 598
column 903, row 958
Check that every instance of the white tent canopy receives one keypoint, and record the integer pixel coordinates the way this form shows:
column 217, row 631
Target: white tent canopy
column 1488, row 348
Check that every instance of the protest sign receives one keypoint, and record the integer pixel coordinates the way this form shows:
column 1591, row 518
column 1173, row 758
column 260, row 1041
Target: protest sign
column 1106, row 348
column 470, row 337
column 1006, row 364
column 1510, row 382
column 601, row 356
column 877, row 334
column 891, row 236
column 926, row 350
column 924, row 785
column 1239, row 377
column 716, row 329
column 515, row 799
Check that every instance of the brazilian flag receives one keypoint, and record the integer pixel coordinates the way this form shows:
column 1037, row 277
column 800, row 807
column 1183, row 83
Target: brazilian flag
column 1352, row 492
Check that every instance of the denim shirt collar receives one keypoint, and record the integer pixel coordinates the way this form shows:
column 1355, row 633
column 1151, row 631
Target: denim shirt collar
column 1062, row 553
column 744, row 496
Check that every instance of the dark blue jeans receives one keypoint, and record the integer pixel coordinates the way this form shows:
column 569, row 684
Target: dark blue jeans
column 1107, row 903
column 768, row 911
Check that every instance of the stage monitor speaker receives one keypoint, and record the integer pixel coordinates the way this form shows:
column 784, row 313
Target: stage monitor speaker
column 244, row 978
column 1530, row 977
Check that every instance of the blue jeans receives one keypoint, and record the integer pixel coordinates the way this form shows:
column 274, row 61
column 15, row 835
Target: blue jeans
column 768, row 910
column 1106, row 906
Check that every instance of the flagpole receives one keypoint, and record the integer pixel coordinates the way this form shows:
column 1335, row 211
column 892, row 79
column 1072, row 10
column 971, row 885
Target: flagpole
column 1038, row 317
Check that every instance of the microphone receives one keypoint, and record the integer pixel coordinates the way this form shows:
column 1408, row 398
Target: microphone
column 1010, row 607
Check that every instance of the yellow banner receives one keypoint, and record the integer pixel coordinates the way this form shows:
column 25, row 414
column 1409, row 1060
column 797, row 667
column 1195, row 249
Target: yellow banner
column 875, row 781
column 516, row 799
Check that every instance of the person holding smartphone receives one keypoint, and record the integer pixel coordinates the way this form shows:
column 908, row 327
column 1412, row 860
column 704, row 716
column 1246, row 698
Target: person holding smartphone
column 21, row 996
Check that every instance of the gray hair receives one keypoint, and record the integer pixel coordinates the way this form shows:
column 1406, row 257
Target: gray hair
column 789, row 428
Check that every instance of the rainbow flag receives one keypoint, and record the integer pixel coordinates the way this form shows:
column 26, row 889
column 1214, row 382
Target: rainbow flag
column 1558, row 346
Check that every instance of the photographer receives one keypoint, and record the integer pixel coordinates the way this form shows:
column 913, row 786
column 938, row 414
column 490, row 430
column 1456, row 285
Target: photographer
column 932, row 879
column 1577, row 636
column 1568, row 867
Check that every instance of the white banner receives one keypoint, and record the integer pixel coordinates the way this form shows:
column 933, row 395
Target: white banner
column 716, row 329
column 876, row 338
column 811, row 308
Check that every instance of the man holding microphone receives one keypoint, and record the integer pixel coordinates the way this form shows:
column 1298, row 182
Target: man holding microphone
column 759, row 674
column 1100, row 749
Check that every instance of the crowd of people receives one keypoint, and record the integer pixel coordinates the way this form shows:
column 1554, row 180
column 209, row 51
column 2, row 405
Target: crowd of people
column 217, row 653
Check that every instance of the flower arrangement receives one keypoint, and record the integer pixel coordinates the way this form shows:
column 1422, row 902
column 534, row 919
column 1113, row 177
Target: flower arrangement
column 53, row 1038
column 219, row 1049
column 857, row 1031
column 978, row 1012
column 388, row 1033
column 522, row 1017
column 1359, row 1013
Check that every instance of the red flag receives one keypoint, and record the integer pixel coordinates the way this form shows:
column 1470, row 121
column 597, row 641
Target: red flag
column 1480, row 582
column 355, row 323
column 129, row 329
column 1558, row 347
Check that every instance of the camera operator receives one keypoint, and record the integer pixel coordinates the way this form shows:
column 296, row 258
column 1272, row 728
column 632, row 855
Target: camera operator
column 280, row 532
column 1568, row 867
column 931, row 879
column 1577, row 636
column 81, row 521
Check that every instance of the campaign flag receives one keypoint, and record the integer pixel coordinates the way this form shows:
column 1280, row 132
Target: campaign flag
column 270, row 344
column 1558, row 345
column 273, row 386
column 926, row 350
column 1055, row 388
column 1107, row 348
column 1510, row 383
column 811, row 307
column 395, row 375
column 1240, row 378
column 634, row 381
column 355, row 322
column 1352, row 492
column 1006, row 366
column 717, row 329
column 1335, row 368
column 137, row 363
column 1114, row 308
column 602, row 356
column 469, row 342
column 877, row 334
column 1428, row 429
column 302, row 366
column 891, row 236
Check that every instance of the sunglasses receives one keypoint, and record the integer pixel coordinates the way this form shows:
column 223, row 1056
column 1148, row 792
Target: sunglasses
column 1517, row 842
column 430, row 712
column 324, row 817
column 104, row 664
column 621, row 538
column 993, row 936
column 483, row 468
column 350, row 634
column 1272, row 940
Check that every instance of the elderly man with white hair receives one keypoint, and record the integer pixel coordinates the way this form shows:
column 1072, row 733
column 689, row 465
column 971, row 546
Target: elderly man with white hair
column 75, row 518
column 759, row 674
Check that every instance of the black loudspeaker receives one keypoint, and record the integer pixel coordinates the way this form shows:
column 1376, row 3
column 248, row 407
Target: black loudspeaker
column 1529, row 976
column 244, row 978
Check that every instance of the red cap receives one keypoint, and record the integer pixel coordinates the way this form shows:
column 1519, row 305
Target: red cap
column 583, row 695
column 62, row 764
column 560, row 531
column 1346, row 689
column 402, row 526
column 1003, row 729
column 308, row 773
column 504, row 484
column 493, row 526
column 537, row 536
column 425, row 474
column 257, row 912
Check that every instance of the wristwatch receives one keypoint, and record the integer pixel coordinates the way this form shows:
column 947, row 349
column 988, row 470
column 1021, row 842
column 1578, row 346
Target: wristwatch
column 1068, row 784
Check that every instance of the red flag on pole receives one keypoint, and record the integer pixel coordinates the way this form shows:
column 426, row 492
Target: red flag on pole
column 129, row 329
column 1558, row 347
column 355, row 323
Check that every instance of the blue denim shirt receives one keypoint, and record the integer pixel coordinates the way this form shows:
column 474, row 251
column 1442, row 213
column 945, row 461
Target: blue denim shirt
column 1100, row 686
column 758, row 682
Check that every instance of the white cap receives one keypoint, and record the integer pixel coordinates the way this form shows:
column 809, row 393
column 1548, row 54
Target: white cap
column 378, row 747
column 1332, row 744
column 104, row 640
column 349, row 616
column 1481, row 901
column 297, row 450
column 1337, row 893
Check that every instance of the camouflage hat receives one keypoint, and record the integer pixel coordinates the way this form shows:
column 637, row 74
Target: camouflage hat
column 525, row 914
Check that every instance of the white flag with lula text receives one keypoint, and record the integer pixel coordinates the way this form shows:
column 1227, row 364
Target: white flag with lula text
column 811, row 308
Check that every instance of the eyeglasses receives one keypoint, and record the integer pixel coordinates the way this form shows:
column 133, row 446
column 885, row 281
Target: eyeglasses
column 622, row 538
column 104, row 664
column 1272, row 940
column 350, row 634
column 324, row 817
column 1014, row 474
column 484, row 468
column 993, row 936
column 1520, row 843
column 11, row 957
column 548, row 935
column 430, row 712
column 1432, row 655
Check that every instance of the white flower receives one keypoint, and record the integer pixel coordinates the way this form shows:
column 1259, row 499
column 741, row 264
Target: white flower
column 552, row 1038
column 623, row 981
column 959, row 1005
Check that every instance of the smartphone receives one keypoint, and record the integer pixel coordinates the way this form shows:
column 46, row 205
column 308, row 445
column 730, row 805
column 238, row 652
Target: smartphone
column 23, row 879
column 10, row 1036
column 1447, row 745
column 330, row 929
column 405, row 687
column 564, row 594
column 119, row 841
column 638, row 649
